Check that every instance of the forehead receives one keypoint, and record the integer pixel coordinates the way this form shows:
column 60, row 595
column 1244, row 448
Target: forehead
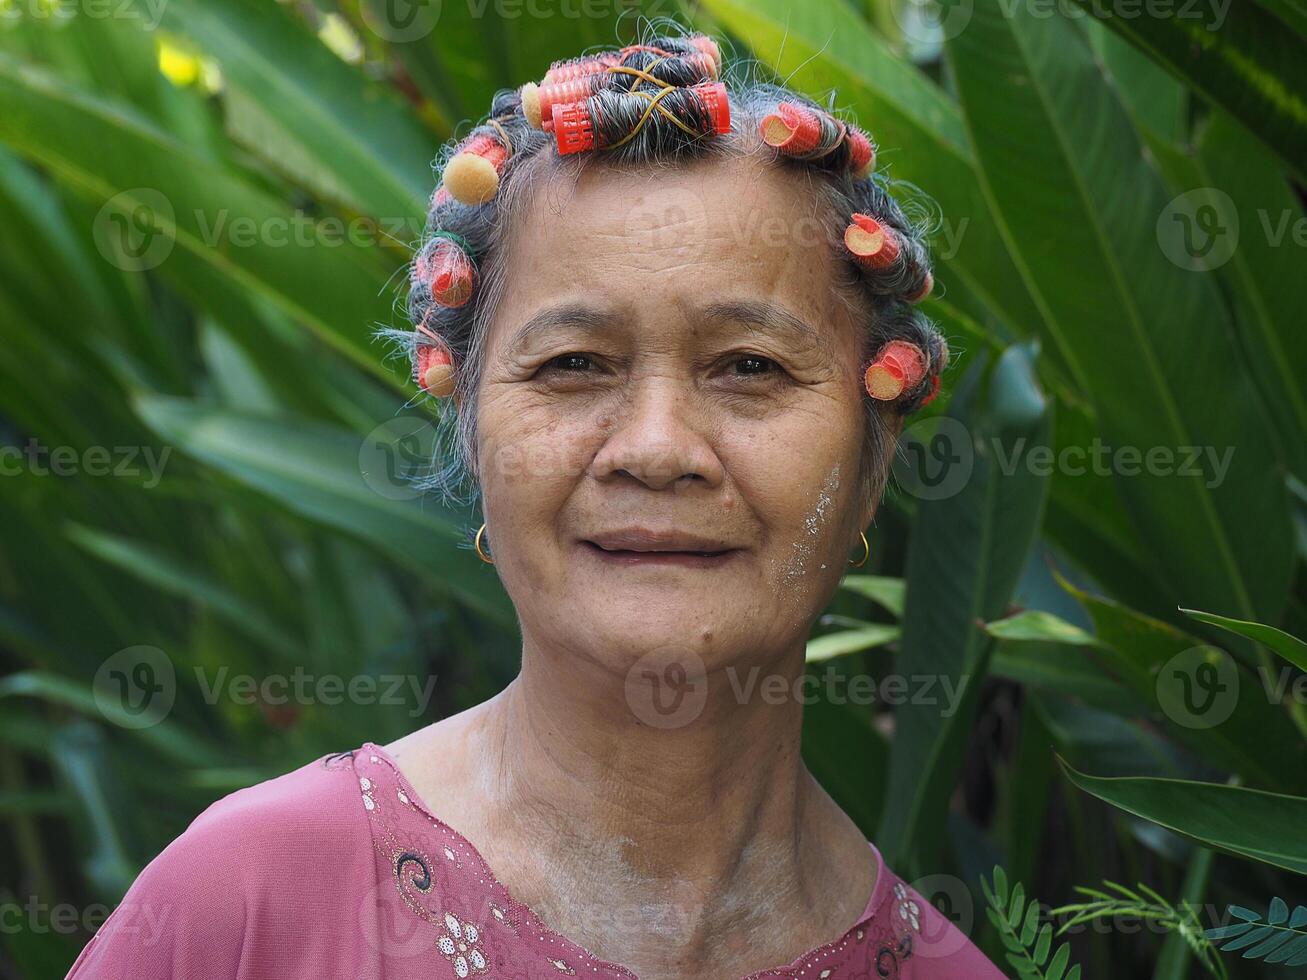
column 684, row 236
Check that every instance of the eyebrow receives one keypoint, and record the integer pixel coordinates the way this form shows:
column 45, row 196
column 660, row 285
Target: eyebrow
column 769, row 318
column 589, row 318
column 761, row 315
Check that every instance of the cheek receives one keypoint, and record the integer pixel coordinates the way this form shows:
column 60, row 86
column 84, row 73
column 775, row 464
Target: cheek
column 798, row 479
column 531, row 455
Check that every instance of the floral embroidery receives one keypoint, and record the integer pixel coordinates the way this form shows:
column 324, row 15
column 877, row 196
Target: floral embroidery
column 366, row 785
column 562, row 967
column 908, row 909
column 459, row 944
column 502, row 917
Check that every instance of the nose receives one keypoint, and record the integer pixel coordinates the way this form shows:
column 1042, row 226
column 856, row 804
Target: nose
column 661, row 439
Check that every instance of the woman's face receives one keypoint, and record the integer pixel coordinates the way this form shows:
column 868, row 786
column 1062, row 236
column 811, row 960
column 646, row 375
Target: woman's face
column 668, row 359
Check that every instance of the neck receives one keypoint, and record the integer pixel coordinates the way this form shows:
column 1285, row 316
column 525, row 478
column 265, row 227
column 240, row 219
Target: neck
column 634, row 839
column 691, row 795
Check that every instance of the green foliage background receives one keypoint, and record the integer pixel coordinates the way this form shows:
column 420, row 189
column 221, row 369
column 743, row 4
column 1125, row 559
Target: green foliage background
column 207, row 206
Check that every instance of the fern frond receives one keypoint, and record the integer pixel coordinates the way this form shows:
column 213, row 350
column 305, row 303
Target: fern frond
column 1277, row 938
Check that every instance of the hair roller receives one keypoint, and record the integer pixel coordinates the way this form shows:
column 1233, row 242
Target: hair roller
column 680, row 64
column 592, row 123
column 472, row 174
column 899, row 366
column 792, row 129
column 873, row 245
column 434, row 367
column 927, row 286
column 447, row 270
column 862, row 153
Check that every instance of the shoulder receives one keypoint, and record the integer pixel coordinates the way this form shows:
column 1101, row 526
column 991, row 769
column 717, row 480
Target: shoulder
column 273, row 859
column 940, row 945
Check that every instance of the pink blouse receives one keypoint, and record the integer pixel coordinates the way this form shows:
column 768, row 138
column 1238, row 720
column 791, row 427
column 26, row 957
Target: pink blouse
column 338, row 871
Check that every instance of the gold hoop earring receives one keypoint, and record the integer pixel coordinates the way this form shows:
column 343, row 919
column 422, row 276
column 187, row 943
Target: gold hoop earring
column 866, row 552
column 484, row 557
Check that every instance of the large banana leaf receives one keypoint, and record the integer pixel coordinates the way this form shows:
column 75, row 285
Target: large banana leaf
column 965, row 556
column 1081, row 206
column 310, row 114
column 331, row 283
column 1239, row 56
column 1248, row 823
column 314, row 470
column 1265, row 272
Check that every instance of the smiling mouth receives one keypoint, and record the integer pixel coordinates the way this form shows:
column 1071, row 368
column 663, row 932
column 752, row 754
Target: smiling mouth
column 659, row 557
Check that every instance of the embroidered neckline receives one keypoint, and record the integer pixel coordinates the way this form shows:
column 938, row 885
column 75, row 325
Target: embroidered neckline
column 408, row 796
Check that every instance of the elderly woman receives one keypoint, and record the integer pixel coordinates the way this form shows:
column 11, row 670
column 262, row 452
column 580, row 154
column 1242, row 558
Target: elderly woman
column 673, row 323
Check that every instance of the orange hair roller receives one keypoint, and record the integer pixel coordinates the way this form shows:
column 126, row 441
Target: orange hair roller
column 871, row 244
column 898, row 367
column 472, row 175
column 434, row 370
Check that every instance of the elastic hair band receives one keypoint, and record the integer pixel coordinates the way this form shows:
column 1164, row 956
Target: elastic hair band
column 458, row 240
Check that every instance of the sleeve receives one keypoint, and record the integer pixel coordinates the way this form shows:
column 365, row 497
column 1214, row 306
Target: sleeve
column 182, row 919
column 268, row 882
column 943, row 951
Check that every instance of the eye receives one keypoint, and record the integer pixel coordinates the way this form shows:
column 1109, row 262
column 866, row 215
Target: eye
column 568, row 364
column 756, row 363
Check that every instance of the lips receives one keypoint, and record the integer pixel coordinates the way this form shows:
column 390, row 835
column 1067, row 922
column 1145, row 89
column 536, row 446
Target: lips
column 650, row 542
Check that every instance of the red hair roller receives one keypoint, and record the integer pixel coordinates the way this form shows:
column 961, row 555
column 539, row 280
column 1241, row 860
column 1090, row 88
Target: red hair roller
column 793, row 129
column 898, row 367
column 871, row 244
column 862, row 154
column 449, row 272
column 574, row 129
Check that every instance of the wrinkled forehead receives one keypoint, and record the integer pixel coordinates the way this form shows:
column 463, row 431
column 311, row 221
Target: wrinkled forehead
column 679, row 236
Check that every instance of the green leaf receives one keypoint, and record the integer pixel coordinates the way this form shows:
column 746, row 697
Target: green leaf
column 1173, row 961
column 1137, row 649
column 1289, row 647
column 174, row 575
column 850, row 641
column 964, row 558
column 1263, row 271
column 104, row 150
column 1079, row 202
column 308, row 113
column 1035, row 624
column 1246, row 62
column 314, row 470
column 891, row 593
column 1248, row 823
